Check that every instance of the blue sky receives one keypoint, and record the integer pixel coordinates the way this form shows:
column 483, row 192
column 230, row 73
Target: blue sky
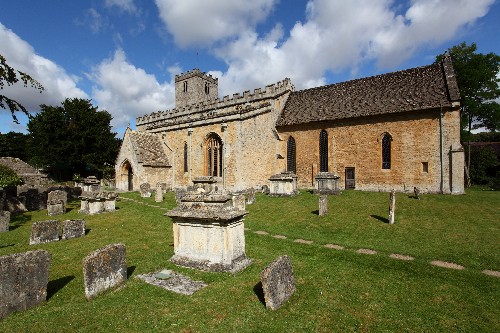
column 124, row 54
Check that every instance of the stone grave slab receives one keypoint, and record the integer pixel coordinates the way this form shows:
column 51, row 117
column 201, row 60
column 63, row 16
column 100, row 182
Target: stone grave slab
column 23, row 280
column 278, row 282
column 58, row 195
column 44, row 232
column 103, row 269
column 73, row 229
column 55, row 207
column 173, row 281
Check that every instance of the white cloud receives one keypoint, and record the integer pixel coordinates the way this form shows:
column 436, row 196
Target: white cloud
column 126, row 91
column 124, row 5
column 194, row 22
column 339, row 35
column 57, row 83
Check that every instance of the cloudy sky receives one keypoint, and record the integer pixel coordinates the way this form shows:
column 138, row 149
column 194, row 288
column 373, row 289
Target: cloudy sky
column 124, row 54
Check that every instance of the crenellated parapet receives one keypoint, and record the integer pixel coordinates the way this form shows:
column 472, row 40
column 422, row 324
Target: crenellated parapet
column 198, row 73
column 239, row 106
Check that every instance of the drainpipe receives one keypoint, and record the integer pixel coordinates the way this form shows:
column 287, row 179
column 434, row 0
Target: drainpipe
column 441, row 147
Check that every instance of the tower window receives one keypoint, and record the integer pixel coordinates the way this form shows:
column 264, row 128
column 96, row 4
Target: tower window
column 185, row 157
column 185, row 86
column 207, row 88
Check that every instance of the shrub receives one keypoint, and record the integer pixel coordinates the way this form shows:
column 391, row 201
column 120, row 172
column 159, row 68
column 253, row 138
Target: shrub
column 8, row 177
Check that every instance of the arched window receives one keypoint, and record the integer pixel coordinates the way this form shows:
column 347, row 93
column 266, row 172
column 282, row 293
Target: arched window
column 290, row 155
column 185, row 86
column 386, row 151
column 213, row 156
column 323, row 151
column 185, row 157
column 207, row 88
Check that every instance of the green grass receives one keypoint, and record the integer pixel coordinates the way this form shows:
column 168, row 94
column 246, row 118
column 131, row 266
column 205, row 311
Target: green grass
column 336, row 290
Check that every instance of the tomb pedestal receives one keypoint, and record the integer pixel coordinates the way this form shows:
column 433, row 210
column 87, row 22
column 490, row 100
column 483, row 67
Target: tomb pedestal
column 326, row 183
column 209, row 233
column 283, row 184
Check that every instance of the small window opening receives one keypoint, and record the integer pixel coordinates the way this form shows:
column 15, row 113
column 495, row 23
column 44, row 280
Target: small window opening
column 425, row 167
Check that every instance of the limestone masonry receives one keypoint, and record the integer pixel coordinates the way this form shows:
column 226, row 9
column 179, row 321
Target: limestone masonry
column 398, row 130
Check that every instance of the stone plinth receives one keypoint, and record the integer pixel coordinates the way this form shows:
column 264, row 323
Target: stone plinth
column 23, row 280
column 326, row 183
column 97, row 202
column 209, row 233
column 91, row 184
column 283, row 184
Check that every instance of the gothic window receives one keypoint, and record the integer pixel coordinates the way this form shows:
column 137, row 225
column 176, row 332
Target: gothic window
column 185, row 86
column 185, row 157
column 323, row 151
column 386, row 151
column 290, row 155
column 213, row 156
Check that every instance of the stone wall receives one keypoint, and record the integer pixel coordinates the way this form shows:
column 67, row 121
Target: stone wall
column 357, row 143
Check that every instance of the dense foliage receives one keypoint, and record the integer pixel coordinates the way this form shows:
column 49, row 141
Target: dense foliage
column 478, row 79
column 72, row 138
column 10, row 76
column 8, row 177
column 14, row 144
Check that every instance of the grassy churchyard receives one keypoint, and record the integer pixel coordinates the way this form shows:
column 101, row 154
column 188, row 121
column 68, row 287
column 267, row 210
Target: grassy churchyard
column 338, row 288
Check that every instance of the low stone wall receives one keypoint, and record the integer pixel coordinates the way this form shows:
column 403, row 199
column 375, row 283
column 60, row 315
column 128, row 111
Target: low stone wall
column 23, row 280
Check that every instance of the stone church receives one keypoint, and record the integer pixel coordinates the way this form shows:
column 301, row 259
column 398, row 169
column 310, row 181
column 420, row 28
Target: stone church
column 398, row 130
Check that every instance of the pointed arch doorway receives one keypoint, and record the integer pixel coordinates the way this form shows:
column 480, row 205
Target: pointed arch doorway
column 128, row 174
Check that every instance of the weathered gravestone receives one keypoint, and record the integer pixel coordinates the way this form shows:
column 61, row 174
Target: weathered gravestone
column 23, row 280
column 73, row 229
column 4, row 220
column 159, row 193
column 239, row 202
column 278, row 282
column 58, row 195
column 251, row 196
column 323, row 205
column 55, row 207
column 44, row 232
column 103, row 269
column 145, row 189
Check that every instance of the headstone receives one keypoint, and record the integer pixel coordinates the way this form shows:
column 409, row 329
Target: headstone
column 35, row 200
column 159, row 193
column 179, row 193
column 23, row 280
column 55, row 207
column 323, row 205
column 239, row 202
column 103, row 269
column 58, row 195
column 416, row 191
column 44, row 232
column 73, row 229
column 4, row 220
column 145, row 189
column 251, row 196
column 265, row 189
column 278, row 282
column 392, row 206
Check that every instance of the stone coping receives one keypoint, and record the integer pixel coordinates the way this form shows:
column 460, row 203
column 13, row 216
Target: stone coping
column 207, row 214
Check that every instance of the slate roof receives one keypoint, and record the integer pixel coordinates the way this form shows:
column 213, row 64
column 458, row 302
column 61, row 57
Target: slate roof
column 148, row 149
column 414, row 89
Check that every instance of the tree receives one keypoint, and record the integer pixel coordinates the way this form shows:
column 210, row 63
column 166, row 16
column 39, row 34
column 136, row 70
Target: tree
column 72, row 138
column 14, row 144
column 9, row 75
column 478, row 79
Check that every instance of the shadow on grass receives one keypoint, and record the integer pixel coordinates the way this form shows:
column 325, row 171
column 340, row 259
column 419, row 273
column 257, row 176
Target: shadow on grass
column 55, row 285
column 18, row 219
column 130, row 271
column 315, row 212
column 87, row 231
column 8, row 245
column 380, row 218
column 259, row 292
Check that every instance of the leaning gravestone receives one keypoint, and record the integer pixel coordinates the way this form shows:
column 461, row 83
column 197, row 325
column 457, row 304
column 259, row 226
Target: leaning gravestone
column 4, row 220
column 44, row 232
column 73, row 229
column 145, row 189
column 278, row 282
column 103, row 269
column 23, row 280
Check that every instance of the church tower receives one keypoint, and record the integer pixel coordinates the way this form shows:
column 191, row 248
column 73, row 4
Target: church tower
column 194, row 87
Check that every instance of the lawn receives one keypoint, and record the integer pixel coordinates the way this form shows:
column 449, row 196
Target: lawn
column 337, row 290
